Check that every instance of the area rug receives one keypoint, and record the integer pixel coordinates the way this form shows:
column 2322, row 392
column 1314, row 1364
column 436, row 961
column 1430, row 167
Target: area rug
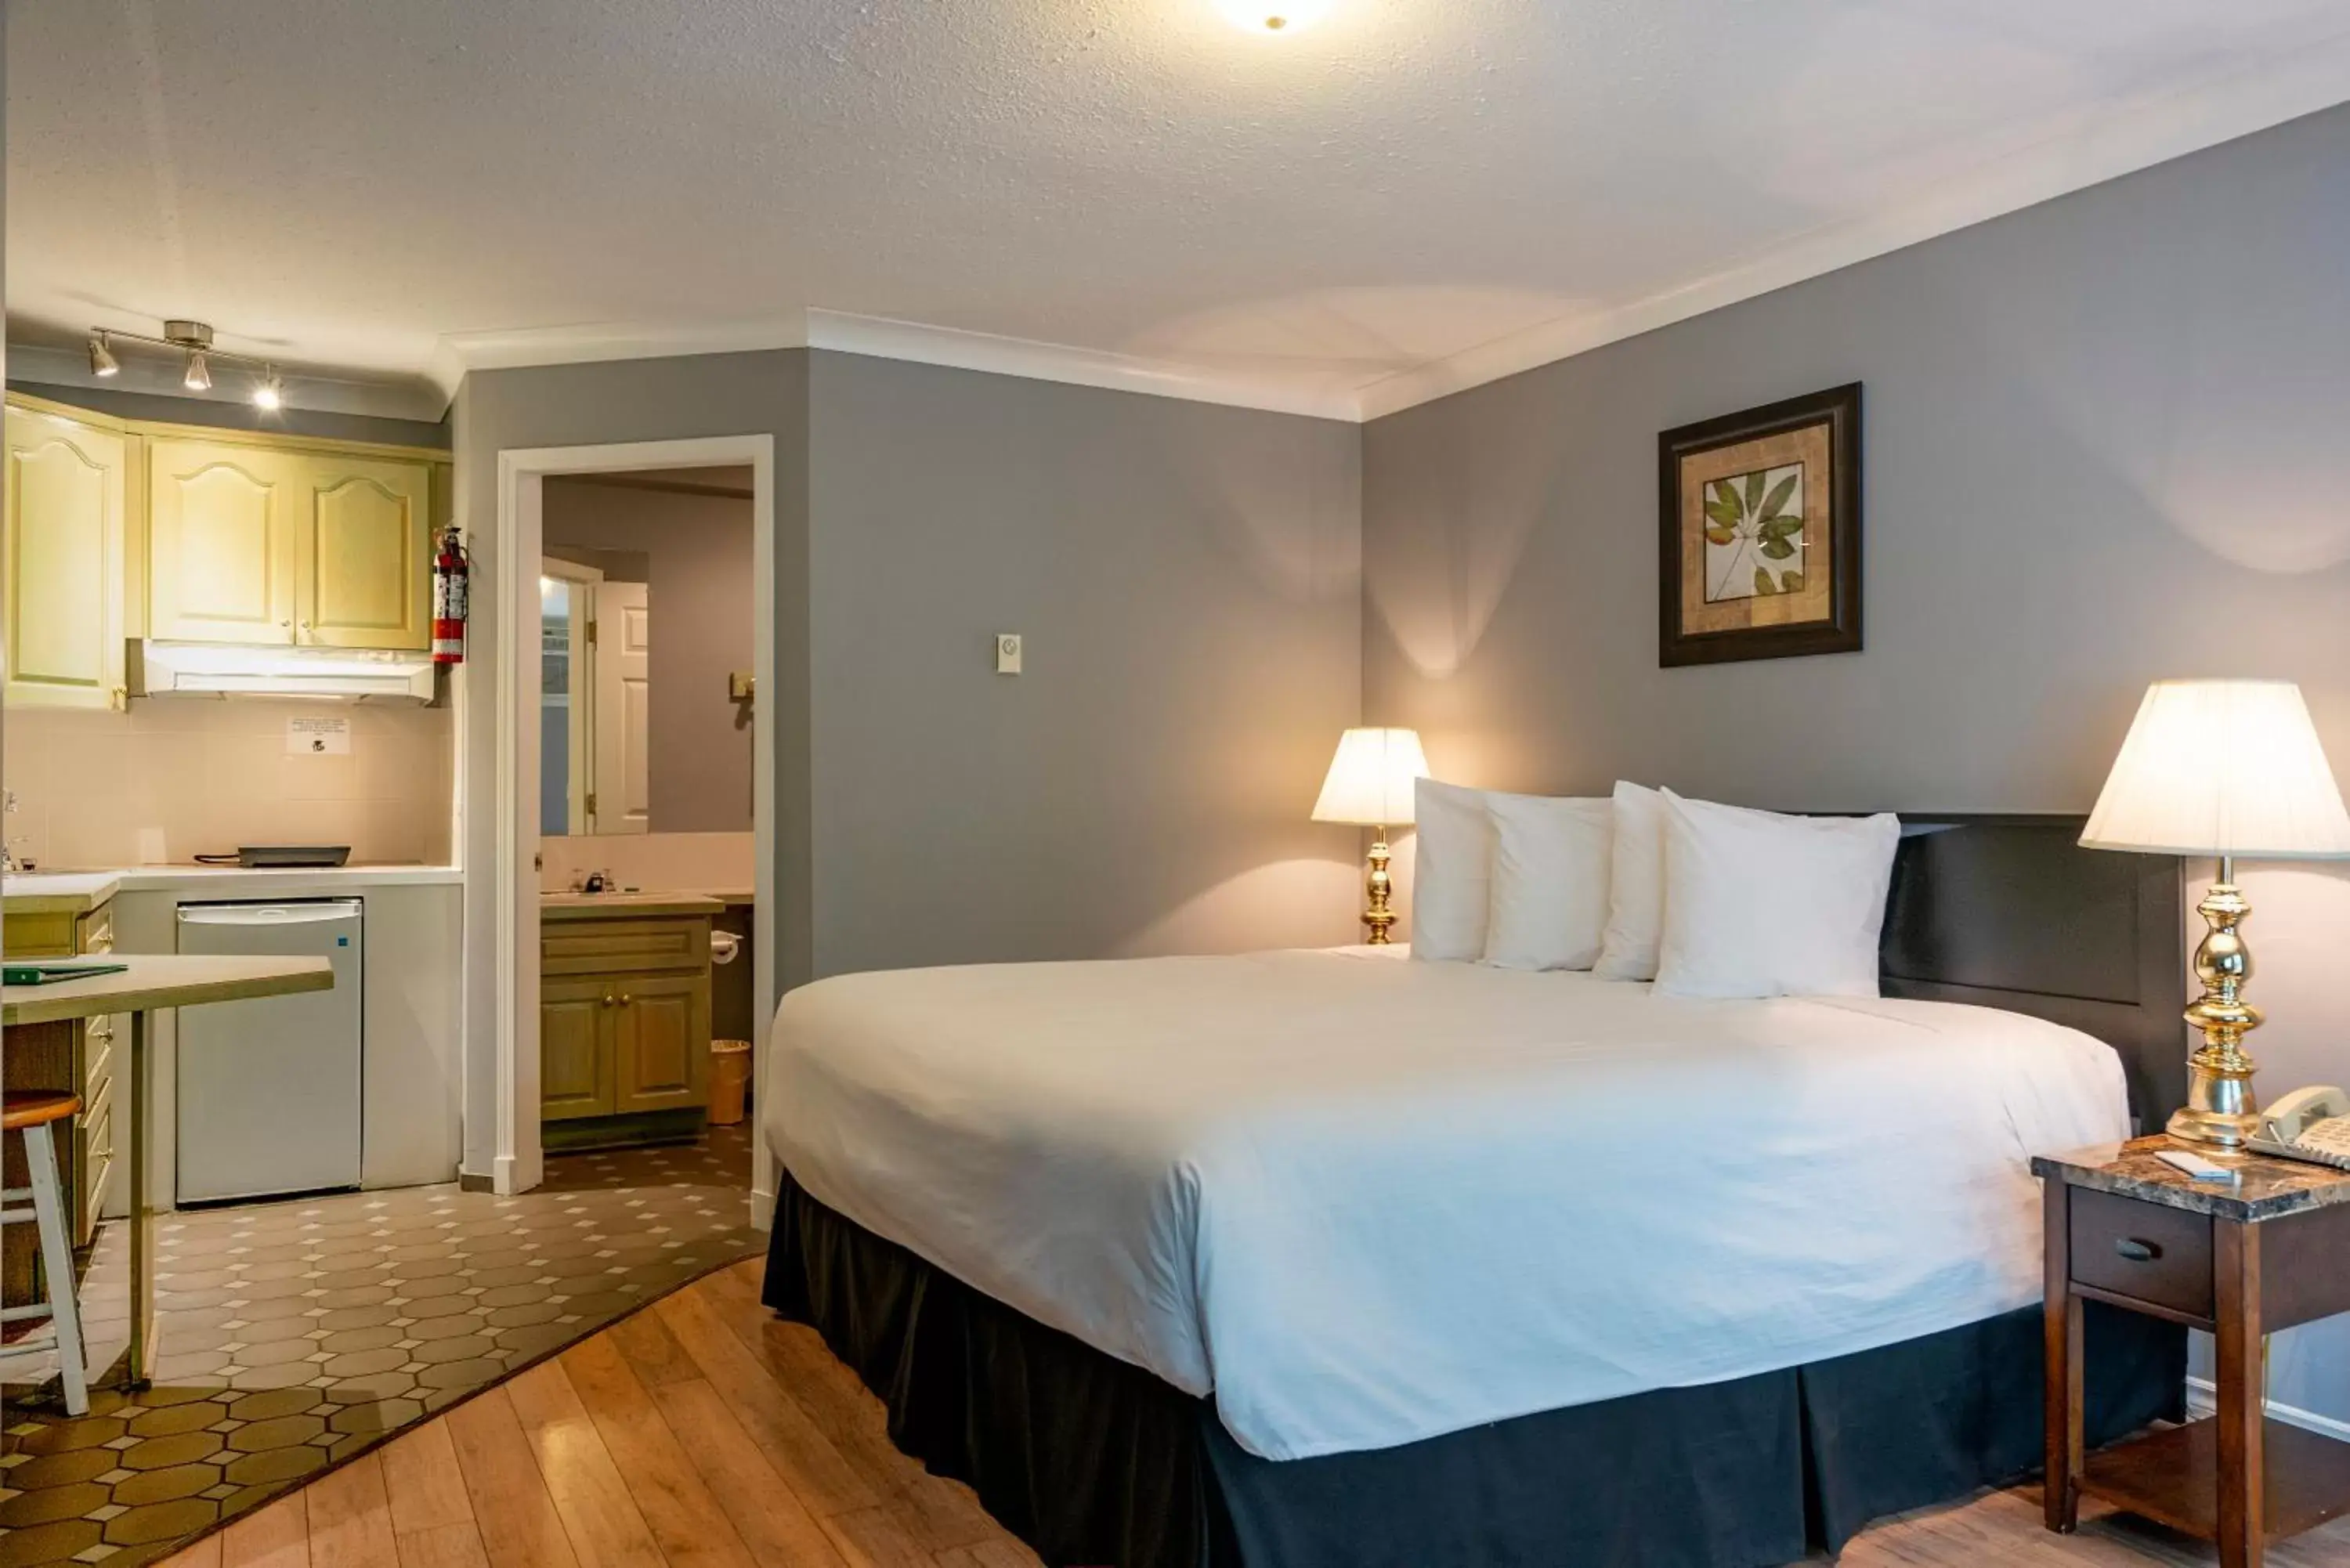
column 298, row 1334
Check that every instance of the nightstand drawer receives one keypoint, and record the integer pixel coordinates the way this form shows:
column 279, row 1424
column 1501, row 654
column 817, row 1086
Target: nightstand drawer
column 2142, row 1250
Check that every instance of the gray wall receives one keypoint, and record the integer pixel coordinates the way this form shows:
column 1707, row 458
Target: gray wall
column 696, row 551
column 624, row 400
column 1188, row 576
column 1186, row 579
column 218, row 414
column 2103, row 446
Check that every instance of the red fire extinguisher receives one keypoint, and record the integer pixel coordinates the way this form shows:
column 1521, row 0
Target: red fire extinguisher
column 450, row 568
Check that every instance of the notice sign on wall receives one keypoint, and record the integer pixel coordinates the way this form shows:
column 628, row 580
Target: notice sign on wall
column 321, row 735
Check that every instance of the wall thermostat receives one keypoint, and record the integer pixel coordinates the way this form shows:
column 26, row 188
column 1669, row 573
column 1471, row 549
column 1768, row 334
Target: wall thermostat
column 1007, row 653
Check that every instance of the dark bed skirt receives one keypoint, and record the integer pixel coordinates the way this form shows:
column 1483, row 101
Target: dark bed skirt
column 1096, row 1462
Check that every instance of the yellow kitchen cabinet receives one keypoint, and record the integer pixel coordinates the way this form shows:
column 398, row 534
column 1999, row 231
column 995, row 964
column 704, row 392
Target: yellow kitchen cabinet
column 76, row 1058
column 68, row 490
column 252, row 544
column 220, row 542
column 363, row 554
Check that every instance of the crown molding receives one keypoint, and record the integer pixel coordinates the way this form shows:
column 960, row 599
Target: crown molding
column 2153, row 128
column 588, row 342
column 878, row 338
column 881, row 339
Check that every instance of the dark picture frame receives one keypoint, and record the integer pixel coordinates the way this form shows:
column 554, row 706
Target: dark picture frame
column 1759, row 533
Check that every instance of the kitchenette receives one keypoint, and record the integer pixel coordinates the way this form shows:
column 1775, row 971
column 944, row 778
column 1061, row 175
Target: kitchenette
column 226, row 735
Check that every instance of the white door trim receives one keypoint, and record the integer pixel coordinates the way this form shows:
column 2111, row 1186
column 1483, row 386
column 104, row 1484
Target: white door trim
column 521, row 537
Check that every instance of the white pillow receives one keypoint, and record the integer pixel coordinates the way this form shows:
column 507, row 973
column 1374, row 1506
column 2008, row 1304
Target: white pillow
column 1636, row 886
column 1549, row 902
column 1451, row 872
column 1762, row 905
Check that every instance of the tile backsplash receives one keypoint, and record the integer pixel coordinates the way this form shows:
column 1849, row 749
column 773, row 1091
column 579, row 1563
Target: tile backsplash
column 179, row 777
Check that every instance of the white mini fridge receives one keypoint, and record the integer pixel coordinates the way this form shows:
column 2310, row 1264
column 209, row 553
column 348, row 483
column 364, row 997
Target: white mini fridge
column 269, row 1090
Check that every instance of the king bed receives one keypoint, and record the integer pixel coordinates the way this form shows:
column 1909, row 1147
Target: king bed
column 1333, row 1258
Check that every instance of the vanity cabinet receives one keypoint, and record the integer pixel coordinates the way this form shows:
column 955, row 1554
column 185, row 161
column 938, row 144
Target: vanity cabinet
column 67, row 496
column 264, row 545
column 623, row 1020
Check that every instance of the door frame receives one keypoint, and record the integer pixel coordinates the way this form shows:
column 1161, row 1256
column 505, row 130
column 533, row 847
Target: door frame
column 518, row 1161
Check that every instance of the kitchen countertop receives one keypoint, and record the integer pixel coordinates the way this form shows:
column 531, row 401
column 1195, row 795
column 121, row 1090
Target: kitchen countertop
column 52, row 892
column 594, row 906
column 58, row 892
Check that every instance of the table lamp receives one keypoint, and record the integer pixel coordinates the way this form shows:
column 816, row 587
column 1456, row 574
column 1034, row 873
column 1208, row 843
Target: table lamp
column 1371, row 784
column 2230, row 768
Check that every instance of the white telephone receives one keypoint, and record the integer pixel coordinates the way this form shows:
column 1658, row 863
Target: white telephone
column 2309, row 1124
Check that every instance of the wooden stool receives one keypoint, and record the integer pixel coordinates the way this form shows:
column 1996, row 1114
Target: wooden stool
column 33, row 1113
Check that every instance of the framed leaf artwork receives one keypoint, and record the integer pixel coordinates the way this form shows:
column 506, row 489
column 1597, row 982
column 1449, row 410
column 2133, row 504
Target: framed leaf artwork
column 1759, row 531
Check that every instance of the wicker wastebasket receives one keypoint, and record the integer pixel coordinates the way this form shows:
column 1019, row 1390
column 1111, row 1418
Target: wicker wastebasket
column 730, row 1080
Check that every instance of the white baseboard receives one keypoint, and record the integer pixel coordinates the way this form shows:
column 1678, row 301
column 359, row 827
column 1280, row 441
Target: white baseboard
column 2202, row 1400
column 513, row 1173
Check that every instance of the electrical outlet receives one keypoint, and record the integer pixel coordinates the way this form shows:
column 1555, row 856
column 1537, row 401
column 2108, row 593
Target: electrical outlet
column 1007, row 653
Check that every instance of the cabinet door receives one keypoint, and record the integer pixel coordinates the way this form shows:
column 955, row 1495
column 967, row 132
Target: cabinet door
column 575, row 1047
column 65, row 488
column 220, row 543
column 363, row 550
column 660, row 1059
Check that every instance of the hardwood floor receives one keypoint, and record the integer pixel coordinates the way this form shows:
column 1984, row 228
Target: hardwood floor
column 701, row 1433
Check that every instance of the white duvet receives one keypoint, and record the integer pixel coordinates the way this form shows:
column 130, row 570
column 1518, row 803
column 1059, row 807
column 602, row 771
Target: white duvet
column 1366, row 1202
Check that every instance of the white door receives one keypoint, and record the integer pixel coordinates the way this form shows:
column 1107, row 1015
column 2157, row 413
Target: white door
column 566, row 606
column 623, row 672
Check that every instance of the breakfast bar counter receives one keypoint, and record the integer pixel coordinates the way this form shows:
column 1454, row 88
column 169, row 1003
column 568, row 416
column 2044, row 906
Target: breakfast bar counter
column 143, row 986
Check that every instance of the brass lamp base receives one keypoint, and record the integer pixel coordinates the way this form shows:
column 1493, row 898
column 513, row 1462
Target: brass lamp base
column 1378, row 918
column 2221, row 1111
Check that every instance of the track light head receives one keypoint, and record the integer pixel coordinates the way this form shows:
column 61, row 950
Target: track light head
column 270, row 396
column 102, row 361
column 198, row 378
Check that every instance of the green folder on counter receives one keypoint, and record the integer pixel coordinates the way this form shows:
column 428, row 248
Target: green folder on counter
column 48, row 971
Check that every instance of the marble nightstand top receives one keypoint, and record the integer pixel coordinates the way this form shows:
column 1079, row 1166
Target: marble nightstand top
column 2267, row 1189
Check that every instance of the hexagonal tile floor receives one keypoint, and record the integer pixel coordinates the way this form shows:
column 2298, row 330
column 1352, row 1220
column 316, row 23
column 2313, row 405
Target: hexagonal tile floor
column 295, row 1334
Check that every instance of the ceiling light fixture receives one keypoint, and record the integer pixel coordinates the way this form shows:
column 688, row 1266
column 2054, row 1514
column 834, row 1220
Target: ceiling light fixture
column 197, row 339
column 1275, row 16
column 193, row 341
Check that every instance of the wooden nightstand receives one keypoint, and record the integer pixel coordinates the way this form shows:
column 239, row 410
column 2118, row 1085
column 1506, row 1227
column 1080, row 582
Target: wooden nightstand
column 2240, row 1261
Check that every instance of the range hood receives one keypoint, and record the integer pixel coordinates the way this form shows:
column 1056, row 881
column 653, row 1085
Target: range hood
column 161, row 669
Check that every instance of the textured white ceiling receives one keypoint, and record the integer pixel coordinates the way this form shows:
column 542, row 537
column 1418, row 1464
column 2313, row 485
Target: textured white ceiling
column 396, row 186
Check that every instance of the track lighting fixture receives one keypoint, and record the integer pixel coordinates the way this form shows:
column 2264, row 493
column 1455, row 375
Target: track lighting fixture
column 193, row 341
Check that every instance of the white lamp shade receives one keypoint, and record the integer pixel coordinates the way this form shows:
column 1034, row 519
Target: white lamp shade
column 1372, row 778
column 2223, row 767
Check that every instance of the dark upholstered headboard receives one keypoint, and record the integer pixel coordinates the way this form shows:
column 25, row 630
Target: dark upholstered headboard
column 2012, row 912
